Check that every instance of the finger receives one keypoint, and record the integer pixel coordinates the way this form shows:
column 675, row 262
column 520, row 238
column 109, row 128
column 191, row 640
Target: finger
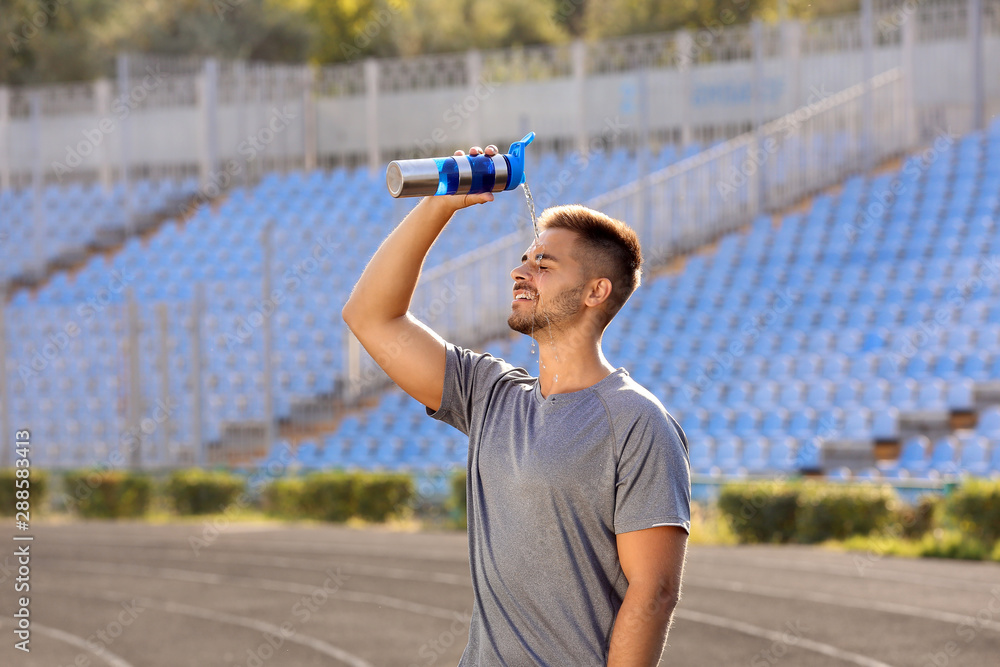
column 492, row 150
column 481, row 198
column 459, row 153
column 475, row 150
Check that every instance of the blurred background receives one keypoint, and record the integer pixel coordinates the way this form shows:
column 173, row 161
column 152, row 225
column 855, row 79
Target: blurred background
column 181, row 223
column 189, row 189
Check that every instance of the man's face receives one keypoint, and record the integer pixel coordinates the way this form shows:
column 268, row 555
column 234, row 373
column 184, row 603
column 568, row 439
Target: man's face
column 549, row 285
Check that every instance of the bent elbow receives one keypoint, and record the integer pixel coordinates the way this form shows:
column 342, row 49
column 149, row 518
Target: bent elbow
column 349, row 314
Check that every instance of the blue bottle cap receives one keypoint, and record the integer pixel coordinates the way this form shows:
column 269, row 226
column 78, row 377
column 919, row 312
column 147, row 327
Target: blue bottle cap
column 516, row 158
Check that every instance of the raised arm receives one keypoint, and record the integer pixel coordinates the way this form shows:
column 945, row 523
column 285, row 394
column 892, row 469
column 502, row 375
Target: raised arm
column 406, row 349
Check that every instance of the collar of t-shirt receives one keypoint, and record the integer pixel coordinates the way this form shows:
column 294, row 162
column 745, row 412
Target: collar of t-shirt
column 573, row 396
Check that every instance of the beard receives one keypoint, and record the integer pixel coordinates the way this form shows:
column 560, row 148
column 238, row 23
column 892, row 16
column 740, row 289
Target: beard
column 564, row 307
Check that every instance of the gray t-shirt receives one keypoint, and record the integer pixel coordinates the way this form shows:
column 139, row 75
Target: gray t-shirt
column 551, row 482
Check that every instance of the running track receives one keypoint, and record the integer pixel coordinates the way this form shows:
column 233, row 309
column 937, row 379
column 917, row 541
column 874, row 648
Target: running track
column 378, row 598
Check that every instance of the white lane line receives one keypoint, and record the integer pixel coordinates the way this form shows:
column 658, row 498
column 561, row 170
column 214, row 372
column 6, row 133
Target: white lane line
column 841, row 601
column 79, row 642
column 310, row 564
column 851, row 572
column 755, row 631
column 256, row 583
column 170, row 607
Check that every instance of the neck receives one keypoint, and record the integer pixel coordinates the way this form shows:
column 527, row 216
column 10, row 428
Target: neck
column 565, row 367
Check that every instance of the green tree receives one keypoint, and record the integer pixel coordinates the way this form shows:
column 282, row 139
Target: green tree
column 50, row 41
column 244, row 29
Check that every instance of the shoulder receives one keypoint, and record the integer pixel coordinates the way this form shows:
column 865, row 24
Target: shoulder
column 483, row 366
column 637, row 412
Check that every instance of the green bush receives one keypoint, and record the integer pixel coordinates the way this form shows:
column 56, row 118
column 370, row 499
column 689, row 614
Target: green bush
column 828, row 511
column 778, row 511
column 283, row 497
column 382, row 495
column 339, row 496
column 953, row 544
column 37, row 488
column 975, row 508
column 108, row 494
column 329, row 496
column 760, row 511
column 198, row 491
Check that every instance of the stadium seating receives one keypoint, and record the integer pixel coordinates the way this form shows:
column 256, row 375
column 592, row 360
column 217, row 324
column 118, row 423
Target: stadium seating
column 74, row 217
column 833, row 324
column 835, row 312
column 338, row 217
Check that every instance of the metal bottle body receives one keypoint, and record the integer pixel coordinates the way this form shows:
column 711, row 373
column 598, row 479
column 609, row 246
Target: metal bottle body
column 460, row 174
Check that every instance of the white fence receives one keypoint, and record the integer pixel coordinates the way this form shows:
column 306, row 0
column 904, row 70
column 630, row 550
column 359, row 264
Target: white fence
column 680, row 207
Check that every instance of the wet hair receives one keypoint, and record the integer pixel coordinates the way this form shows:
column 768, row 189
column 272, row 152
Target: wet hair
column 605, row 248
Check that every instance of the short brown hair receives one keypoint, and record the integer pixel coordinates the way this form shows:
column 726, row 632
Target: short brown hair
column 606, row 248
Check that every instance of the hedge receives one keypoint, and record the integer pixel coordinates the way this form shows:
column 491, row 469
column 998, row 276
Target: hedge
column 381, row 495
column 760, row 512
column 283, row 497
column 975, row 508
column 108, row 494
column 828, row 511
column 199, row 491
column 339, row 496
column 777, row 511
column 37, row 488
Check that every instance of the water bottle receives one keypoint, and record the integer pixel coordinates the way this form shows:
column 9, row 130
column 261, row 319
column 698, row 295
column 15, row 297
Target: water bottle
column 459, row 174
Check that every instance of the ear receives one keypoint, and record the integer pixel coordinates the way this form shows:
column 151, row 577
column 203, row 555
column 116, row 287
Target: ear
column 598, row 292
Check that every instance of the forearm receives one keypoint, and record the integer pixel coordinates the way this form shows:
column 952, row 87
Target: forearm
column 641, row 627
column 386, row 286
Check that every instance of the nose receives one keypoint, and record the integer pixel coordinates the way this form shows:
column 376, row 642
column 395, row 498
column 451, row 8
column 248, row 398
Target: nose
column 520, row 273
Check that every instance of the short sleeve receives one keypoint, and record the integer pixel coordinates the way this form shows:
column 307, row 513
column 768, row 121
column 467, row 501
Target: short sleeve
column 654, row 477
column 468, row 376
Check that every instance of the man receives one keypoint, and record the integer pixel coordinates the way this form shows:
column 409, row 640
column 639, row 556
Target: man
column 578, row 481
